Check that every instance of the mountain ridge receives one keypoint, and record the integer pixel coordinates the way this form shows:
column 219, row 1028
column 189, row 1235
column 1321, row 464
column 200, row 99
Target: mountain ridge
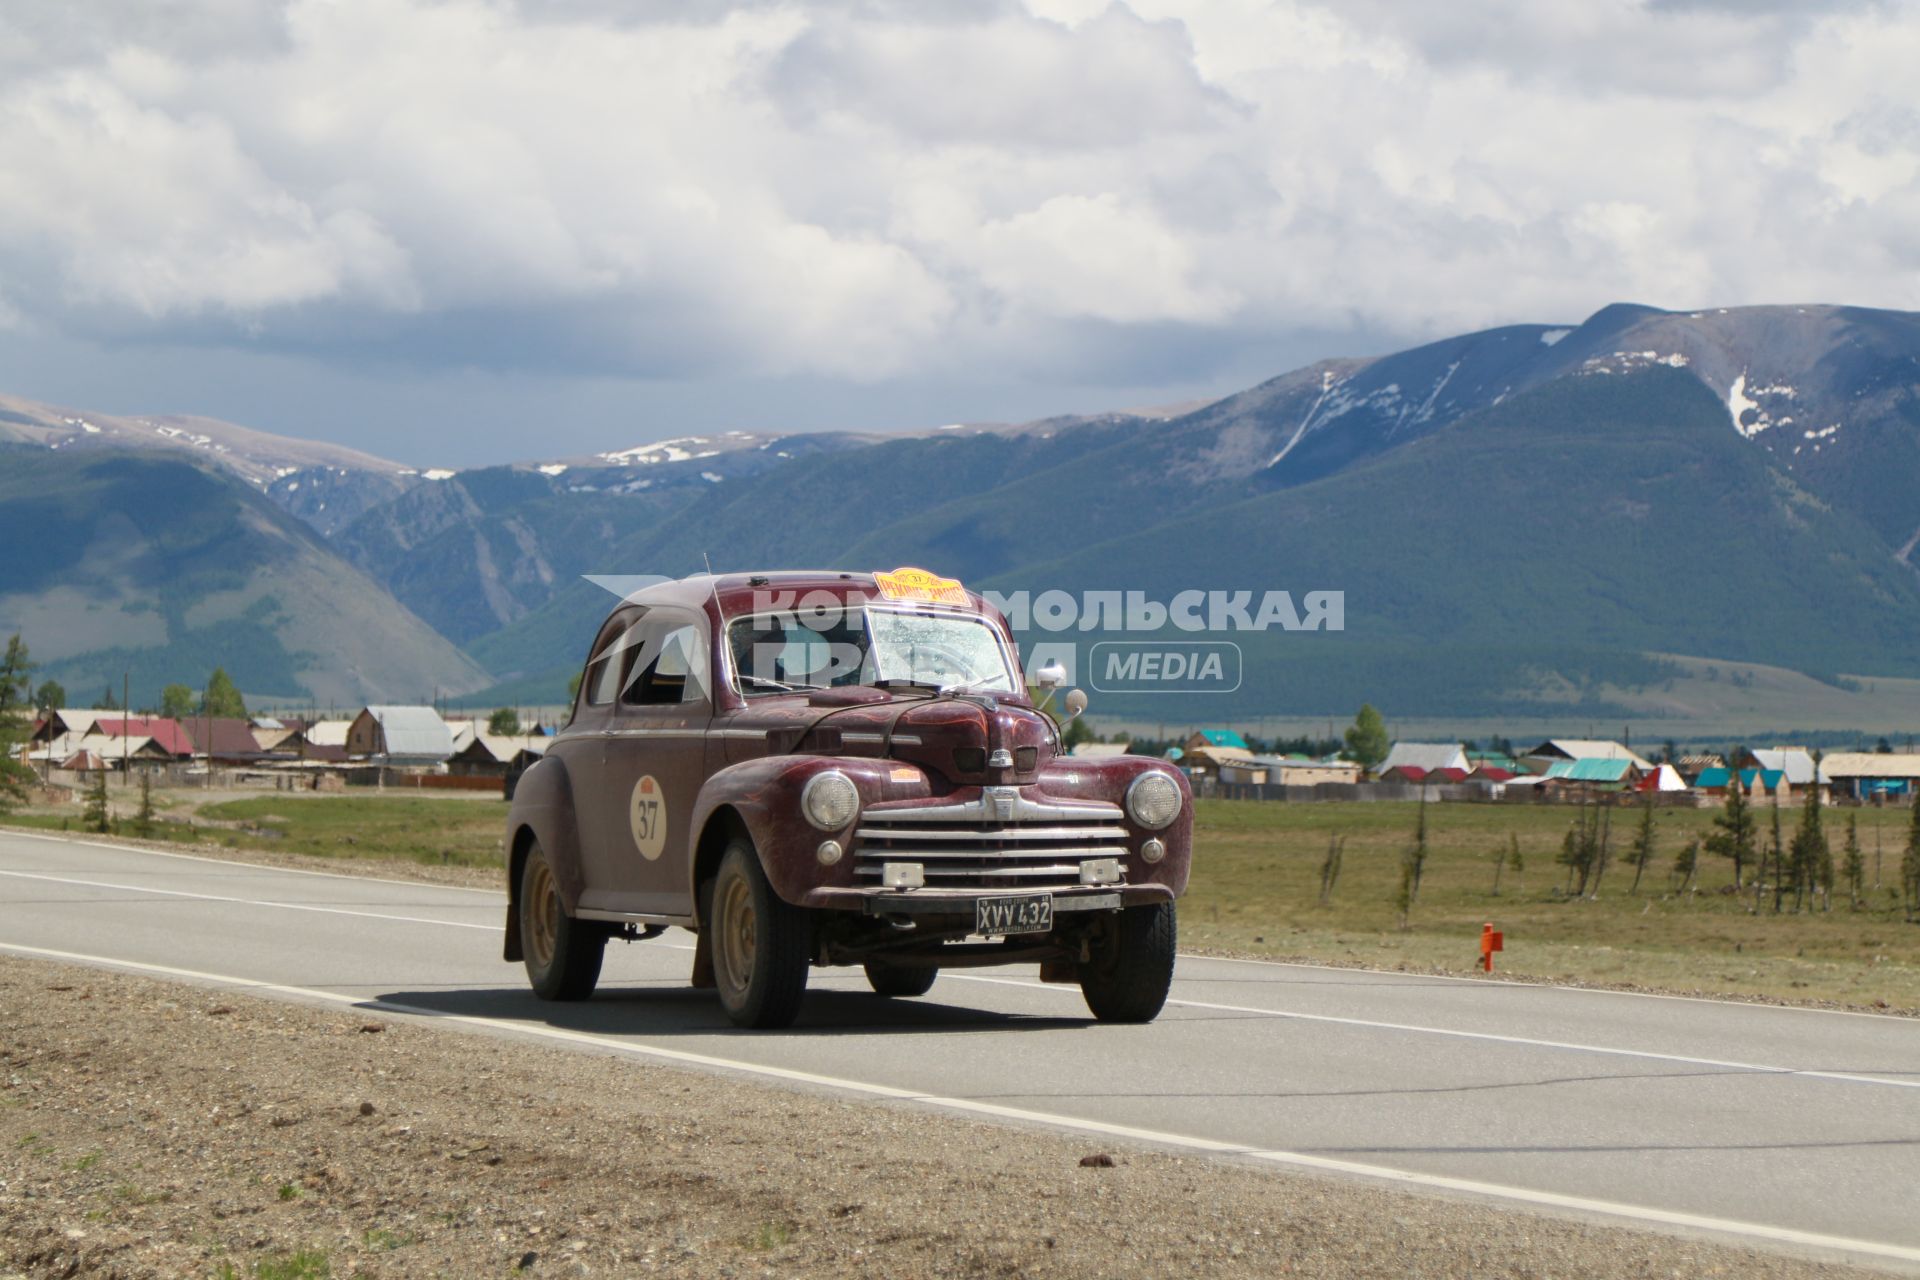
column 1802, row 421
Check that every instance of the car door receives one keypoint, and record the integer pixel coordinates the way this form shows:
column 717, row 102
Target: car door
column 599, row 815
column 655, row 762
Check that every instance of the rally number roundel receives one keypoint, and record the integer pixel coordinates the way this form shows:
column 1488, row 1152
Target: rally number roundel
column 647, row 815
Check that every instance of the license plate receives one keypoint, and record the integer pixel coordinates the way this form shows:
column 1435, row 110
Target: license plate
column 1028, row 913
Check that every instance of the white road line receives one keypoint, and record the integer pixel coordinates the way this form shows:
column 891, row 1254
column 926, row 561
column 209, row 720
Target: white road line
column 1055, row 989
column 1756, row 1068
column 1403, row 1177
column 1502, row 984
column 249, row 902
column 234, row 862
column 1509, row 983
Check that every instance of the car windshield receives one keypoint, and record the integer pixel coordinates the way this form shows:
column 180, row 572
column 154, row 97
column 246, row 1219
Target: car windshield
column 777, row 653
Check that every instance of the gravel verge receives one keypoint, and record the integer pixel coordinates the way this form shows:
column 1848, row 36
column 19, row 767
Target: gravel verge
column 161, row 1129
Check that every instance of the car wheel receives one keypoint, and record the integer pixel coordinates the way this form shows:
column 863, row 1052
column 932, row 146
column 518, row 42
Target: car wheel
column 760, row 944
column 562, row 954
column 895, row 980
column 1132, row 966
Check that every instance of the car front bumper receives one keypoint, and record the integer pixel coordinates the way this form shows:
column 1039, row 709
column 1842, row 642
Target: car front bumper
column 949, row 902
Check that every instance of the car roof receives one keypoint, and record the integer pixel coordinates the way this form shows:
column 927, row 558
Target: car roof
column 735, row 593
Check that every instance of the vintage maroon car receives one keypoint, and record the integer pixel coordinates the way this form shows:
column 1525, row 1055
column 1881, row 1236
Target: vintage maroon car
column 837, row 769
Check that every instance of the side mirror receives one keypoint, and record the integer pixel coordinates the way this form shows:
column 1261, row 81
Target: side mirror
column 1049, row 676
column 1074, row 703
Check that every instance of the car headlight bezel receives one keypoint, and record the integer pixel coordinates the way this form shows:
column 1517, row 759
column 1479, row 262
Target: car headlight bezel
column 830, row 801
column 1146, row 804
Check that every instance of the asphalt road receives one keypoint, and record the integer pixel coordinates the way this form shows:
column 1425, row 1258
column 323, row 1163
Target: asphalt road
column 1792, row 1127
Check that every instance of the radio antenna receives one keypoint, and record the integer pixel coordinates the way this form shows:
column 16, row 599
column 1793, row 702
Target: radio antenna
column 708, row 562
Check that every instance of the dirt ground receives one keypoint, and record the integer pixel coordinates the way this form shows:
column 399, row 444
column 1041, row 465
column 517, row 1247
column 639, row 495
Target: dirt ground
column 167, row 1130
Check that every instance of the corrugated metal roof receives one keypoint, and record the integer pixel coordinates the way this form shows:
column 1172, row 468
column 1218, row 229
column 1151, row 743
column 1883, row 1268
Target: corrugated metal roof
column 1663, row 778
column 168, row 734
column 1224, row 738
column 1426, row 755
column 1870, row 764
column 413, row 731
column 1792, row 761
column 501, row 748
column 1598, row 770
column 1589, row 749
column 328, row 733
column 1717, row 776
column 227, row 736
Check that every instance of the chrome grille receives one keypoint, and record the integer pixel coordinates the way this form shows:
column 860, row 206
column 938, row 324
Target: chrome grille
column 1002, row 840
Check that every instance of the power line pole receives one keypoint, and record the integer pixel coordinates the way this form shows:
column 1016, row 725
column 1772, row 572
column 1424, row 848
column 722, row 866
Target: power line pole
column 126, row 726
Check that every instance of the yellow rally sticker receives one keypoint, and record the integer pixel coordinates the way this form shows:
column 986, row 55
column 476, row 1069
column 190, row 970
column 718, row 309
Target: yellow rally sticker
column 918, row 584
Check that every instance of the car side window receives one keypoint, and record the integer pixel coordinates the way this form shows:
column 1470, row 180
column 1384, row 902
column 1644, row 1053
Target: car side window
column 612, row 658
column 673, row 670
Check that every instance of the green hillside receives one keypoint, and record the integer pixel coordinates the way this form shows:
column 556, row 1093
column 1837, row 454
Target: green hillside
column 144, row 564
column 1537, row 548
column 1522, row 559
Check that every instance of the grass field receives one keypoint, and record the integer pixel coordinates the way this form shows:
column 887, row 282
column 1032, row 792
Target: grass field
column 449, row 830
column 1255, row 888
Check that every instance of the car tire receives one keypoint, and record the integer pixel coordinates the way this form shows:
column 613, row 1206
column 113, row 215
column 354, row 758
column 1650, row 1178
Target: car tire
column 761, row 945
column 1132, row 968
column 562, row 954
column 897, row 980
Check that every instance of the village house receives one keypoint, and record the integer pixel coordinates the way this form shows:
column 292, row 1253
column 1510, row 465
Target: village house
column 1223, row 762
column 490, row 755
column 1665, row 779
column 1692, row 766
column 1584, row 749
column 1201, row 739
column 1758, row 784
column 1305, row 771
column 224, row 740
column 1592, row 775
column 1871, row 775
column 399, row 736
column 1796, row 764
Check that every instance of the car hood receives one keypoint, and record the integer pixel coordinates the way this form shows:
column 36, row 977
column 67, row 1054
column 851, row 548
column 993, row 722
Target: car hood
column 969, row 739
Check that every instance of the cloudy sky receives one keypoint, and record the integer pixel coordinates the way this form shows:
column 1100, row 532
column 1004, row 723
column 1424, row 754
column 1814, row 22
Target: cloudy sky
column 458, row 231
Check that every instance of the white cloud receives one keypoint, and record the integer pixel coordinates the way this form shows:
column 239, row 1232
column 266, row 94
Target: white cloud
column 862, row 191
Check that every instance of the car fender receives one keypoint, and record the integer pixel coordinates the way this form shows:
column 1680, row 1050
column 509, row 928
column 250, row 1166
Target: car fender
column 765, row 795
column 542, row 809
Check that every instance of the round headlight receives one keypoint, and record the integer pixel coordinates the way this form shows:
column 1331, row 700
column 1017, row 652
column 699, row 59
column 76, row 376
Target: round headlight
column 1153, row 800
column 829, row 800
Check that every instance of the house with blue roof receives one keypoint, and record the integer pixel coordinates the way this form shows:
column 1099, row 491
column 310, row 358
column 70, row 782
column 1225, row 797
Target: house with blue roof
column 1758, row 784
column 1204, row 738
column 1592, row 774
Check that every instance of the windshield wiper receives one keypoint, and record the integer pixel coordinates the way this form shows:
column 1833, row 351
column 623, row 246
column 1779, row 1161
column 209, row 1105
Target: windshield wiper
column 780, row 685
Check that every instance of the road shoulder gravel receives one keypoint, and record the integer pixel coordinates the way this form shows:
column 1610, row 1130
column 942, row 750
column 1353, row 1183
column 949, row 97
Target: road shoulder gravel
column 153, row 1128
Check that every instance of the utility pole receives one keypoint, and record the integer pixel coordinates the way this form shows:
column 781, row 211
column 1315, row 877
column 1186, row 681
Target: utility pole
column 206, row 707
column 126, row 726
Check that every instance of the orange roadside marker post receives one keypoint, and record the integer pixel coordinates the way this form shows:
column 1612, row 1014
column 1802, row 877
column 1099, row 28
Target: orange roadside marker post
column 1490, row 942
